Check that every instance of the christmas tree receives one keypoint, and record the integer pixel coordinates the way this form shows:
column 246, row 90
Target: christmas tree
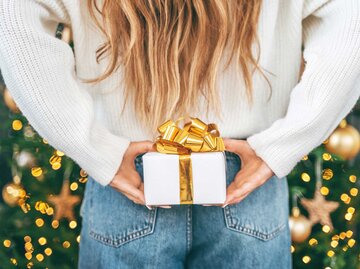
column 42, row 190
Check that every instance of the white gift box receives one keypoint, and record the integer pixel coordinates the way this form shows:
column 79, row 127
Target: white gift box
column 162, row 184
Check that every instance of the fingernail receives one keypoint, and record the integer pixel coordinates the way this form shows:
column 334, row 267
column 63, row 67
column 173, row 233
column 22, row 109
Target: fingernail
column 206, row 205
column 165, row 206
column 224, row 205
column 149, row 207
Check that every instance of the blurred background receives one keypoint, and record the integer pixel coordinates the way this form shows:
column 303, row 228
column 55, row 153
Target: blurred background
column 42, row 191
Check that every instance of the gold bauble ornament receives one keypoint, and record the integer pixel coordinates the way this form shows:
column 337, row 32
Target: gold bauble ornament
column 344, row 141
column 9, row 101
column 300, row 226
column 12, row 193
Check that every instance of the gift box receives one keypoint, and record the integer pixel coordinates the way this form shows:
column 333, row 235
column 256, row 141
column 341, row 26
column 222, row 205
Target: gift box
column 189, row 166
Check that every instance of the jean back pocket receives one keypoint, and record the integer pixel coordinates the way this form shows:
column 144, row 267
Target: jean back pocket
column 113, row 218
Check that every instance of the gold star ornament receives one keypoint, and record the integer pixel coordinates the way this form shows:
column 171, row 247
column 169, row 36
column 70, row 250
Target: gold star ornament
column 319, row 209
column 64, row 202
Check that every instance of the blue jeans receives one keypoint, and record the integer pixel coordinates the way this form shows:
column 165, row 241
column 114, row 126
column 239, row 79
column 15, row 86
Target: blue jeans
column 117, row 233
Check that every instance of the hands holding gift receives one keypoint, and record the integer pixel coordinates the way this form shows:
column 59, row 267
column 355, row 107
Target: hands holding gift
column 254, row 171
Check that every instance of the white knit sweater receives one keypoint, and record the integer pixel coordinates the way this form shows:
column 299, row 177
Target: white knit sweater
column 42, row 74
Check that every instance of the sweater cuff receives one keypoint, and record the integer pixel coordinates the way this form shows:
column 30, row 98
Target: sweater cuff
column 281, row 160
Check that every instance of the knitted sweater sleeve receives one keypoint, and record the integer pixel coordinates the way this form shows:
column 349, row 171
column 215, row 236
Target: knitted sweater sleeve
column 327, row 91
column 39, row 71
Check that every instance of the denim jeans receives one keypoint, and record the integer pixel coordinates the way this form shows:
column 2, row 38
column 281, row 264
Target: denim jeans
column 117, row 233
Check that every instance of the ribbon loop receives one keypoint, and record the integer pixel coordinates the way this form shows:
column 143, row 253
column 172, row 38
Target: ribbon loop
column 195, row 136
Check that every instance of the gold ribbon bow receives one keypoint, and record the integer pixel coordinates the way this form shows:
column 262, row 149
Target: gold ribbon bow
column 195, row 136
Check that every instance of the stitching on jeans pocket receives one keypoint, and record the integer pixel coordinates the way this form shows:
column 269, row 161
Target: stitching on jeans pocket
column 114, row 219
column 235, row 224
column 126, row 235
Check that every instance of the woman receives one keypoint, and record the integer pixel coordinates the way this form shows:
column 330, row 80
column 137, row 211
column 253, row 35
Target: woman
column 138, row 63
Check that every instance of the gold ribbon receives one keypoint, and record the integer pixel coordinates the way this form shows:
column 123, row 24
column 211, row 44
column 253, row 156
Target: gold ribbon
column 195, row 136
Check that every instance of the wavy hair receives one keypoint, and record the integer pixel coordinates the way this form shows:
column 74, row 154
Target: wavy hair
column 171, row 50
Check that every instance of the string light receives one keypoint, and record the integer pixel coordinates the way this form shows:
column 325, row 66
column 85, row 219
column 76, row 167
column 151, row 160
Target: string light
column 351, row 210
column 40, row 257
column 324, row 190
column 305, row 177
column 55, row 224
column 330, row 253
column 28, row 255
column 50, row 211
column 328, row 174
column 354, row 192
column 342, row 235
column 48, row 251
column 66, row 244
column 29, row 247
column 335, row 237
column 306, row 259
column 36, row 171
column 72, row 224
column 326, row 228
column 345, row 198
column 39, row 222
column 42, row 241
column 352, row 178
column 17, row 125
column 74, row 186
column 349, row 233
column 83, row 179
column 313, row 242
column 56, row 166
column 351, row 242
column 348, row 216
column 326, row 156
column 7, row 243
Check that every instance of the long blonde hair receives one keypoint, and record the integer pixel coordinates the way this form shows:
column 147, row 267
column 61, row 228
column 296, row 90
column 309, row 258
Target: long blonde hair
column 171, row 50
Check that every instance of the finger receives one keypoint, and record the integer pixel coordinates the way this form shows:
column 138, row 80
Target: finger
column 132, row 198
column 239, row 198
column 241, row 184
column 239, row 192
column 132, row 189
column 141, row 147
column 238, row 147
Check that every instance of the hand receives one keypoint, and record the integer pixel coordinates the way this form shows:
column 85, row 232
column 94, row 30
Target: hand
column 254, row 171
column 127, row 180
